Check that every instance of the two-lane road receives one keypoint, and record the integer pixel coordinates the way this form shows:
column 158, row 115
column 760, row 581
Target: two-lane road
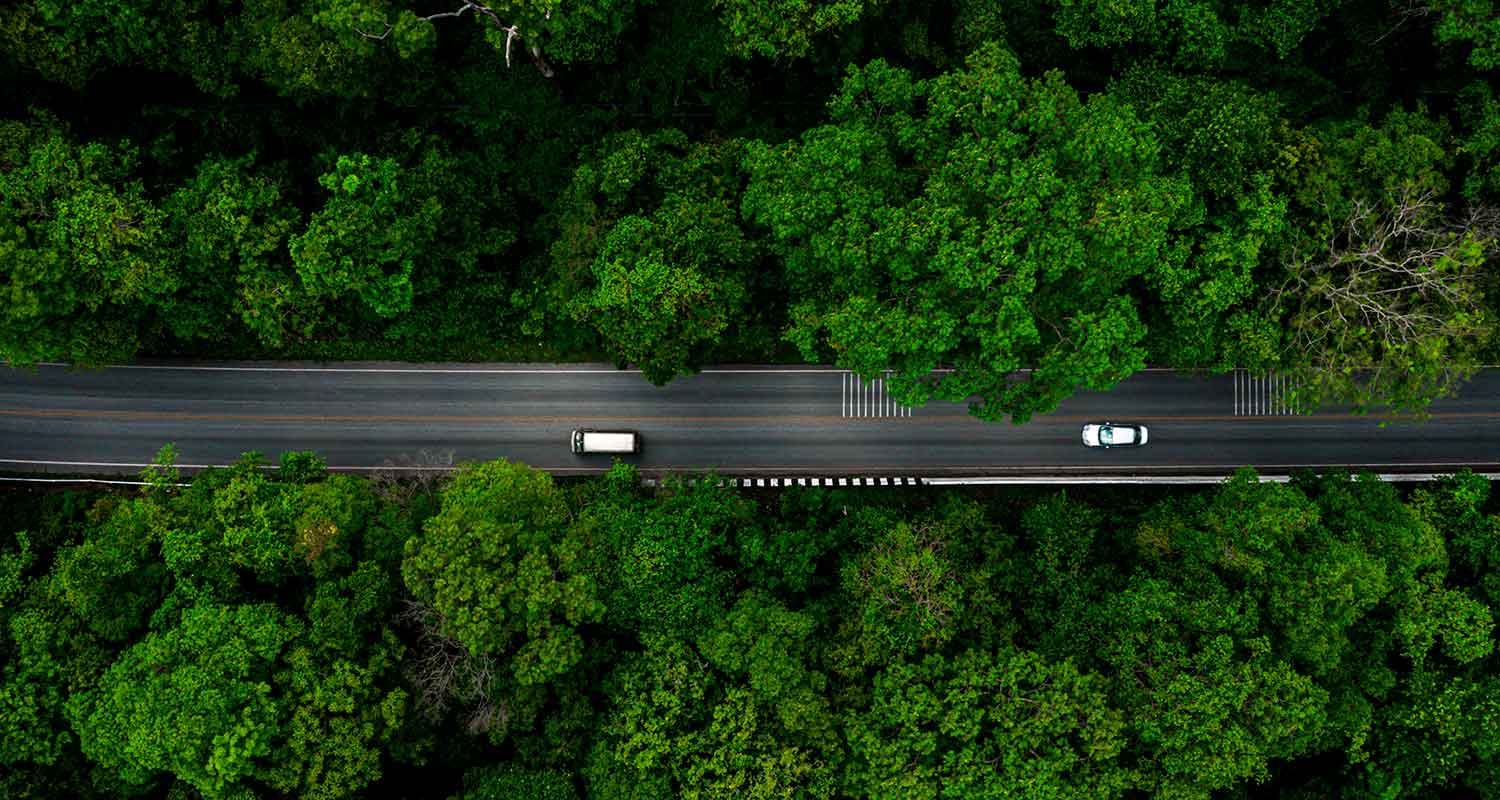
column 744, row 420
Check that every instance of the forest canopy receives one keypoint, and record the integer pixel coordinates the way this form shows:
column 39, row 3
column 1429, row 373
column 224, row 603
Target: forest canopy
column 1038, row 196
column 1077, row 189
column 286, row 632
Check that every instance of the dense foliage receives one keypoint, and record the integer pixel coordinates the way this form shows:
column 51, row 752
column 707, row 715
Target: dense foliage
column 292, row 633
column 1077, row 188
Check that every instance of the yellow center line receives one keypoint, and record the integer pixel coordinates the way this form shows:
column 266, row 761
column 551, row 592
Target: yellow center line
column 54, row 413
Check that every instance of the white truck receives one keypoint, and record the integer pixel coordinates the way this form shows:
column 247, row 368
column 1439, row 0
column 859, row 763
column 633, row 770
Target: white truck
column 591, row 441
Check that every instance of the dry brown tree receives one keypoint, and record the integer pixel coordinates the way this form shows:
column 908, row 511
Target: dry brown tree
column 1391, row 311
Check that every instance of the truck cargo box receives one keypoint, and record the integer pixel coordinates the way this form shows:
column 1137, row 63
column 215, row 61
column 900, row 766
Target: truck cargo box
column 588, row 441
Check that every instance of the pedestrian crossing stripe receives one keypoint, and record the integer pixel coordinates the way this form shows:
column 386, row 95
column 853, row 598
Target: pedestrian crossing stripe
column 862, row 399
column 1263, row 395
column 777, row 483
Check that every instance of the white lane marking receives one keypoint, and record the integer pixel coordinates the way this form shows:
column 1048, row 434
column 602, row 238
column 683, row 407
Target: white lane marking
column 80, row 480
column 969, row 481
column 1389, row 477
column 561, row 368
column 39, row 462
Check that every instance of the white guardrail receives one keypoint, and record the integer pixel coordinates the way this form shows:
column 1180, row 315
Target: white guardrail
column 912, row 482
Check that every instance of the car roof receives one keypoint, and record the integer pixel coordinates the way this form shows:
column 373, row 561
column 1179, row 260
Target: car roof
column 1122, row 434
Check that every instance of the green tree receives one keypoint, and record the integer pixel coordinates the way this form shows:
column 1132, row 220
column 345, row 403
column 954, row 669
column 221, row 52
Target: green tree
column 384, row 219
column 651, row 255
column 785, row 28
column 1232, row 142
column 668, row 555
column 83, row 255
column 314, row 48
column 917, row 586
column 1009, row 243
column 345, row 703
column 1057, row 576
column 677, row 729
column 752, row 642
column 1195, row 33
column 510, row 782
column 1457, row 508
column 988, row 725
column 1224, row 717
column 194, row 701
column 234, row 218
column 113, row 580
column 367, row 239
column 506, row 572
column 231, row 528
column 1471, row 22
column 73, row 44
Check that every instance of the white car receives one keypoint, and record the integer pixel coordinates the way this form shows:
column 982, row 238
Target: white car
column 1113, row 434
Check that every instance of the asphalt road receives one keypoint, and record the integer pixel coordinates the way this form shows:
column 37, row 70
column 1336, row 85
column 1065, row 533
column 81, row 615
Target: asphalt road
column 736, row 420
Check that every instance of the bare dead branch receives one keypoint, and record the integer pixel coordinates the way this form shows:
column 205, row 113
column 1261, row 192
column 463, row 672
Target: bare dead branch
column 1396, row 276
column 442, row 672
column 512, row 32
